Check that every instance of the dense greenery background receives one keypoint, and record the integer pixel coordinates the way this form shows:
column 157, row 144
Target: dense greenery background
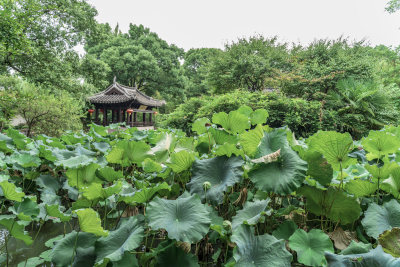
column 342, row 85
column 254, row 163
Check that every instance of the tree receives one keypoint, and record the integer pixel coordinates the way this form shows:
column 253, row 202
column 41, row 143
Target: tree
column 140, row 58
column 248, row 63
column 318, row 67
column 37, row 38
column 46, row 113
column 195, row 69
column 363, row 105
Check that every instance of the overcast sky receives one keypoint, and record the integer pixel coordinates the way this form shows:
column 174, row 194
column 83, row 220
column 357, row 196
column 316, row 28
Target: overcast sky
column 212, row 23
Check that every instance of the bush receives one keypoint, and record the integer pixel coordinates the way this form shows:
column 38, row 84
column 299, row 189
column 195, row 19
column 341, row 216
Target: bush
column 301, row 116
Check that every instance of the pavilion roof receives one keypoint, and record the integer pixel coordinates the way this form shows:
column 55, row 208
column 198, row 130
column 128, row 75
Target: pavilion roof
column 118, row 93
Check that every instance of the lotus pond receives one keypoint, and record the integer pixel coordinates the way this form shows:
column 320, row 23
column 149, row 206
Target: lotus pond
column 235, row 193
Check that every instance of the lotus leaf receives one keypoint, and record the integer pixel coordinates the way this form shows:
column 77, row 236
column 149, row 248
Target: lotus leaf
column 220, row 172
column 186, row 219
column 311, row 246
column 262, row 250
column 378, row 219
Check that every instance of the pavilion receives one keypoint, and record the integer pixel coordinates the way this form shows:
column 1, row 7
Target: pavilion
column 124, row 103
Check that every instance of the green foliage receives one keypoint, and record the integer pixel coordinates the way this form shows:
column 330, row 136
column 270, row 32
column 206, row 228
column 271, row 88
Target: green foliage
column 220, row 172
column 132, row 208
column 311, row 246
column 390, row 241
column 259, row 250
column 185, row 219
column 376, row 257
column 126, row 237
column 283, row 175
column 381, row 218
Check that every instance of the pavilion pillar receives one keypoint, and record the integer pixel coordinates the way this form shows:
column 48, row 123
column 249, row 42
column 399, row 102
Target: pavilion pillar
column 144, row 118
column 105, row 122
column 150, row 118
column 123, row 115
column 96, row 115
column 119, row 115
column 112, row 116
column 134, row 118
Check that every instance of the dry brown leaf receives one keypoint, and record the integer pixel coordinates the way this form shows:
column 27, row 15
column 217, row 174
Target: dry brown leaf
column 342, row 238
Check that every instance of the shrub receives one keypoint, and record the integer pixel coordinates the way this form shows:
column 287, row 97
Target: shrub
column 301, row 116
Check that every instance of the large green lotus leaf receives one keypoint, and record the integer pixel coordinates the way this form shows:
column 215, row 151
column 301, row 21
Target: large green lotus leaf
column 103, row 147
column 126, row 237
column 234, row 122
column 332, row 203
column 380, row 143
column 311, row 246
column 48, row 182
column 285, row 230
column 15, row 228
column 251, row 213
column 80, row 156
column 150, row 166
column 128, row 260
column 24, row 159
column 334, row 146
column 98, row 130
column 181, row 161
column 126, row 153
column 390, row 241
column 262, row 250
column 228, row 149
column 31, row 262
column 245, row 110
column 93, row 191
column 186, row 219
column 356, row 248
column 392, row 184
column 75, row 249
column 375, row 258
column 360, row 187
column 90, row 222
column 19, row 140
column 144, row 195
column 199, row 125
column 318, row 167
column 259, row 116
column 11, row 192
column 172, row 256
column 382, row 172
column 221, row 136
column 83, row 176
column 164, row 147
column 108, row 191
column 282, row 176
column 220, row 172
column 27, row 210
column 54, row 211
column 109, row 174
column 381, row 218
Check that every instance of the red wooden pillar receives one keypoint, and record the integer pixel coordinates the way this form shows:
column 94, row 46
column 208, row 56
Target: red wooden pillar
column 96, row 116
column 105, row 122
column 119, row 115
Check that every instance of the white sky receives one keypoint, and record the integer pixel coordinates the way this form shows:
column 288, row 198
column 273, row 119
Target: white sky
column 212, row 23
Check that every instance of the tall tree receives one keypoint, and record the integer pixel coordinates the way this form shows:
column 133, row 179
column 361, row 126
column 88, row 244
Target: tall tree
column 140, row 58
column 248, row 63
column 37, row 38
